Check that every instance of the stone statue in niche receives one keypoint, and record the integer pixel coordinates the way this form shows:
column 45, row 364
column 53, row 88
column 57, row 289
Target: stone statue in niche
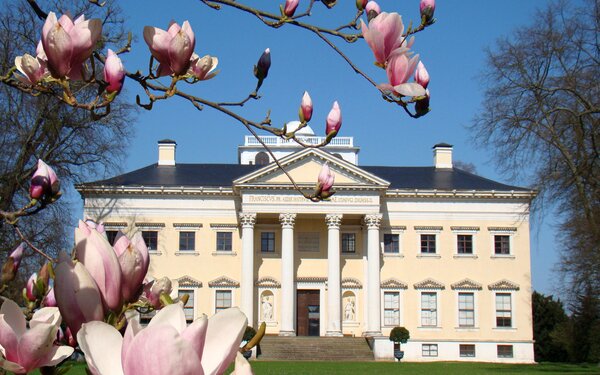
column 349, row 309
column 267, row 309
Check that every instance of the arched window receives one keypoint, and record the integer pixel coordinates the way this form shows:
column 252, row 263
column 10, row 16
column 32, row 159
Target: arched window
column 261, row 158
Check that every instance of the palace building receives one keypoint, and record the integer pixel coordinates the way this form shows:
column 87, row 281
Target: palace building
column 440, row 251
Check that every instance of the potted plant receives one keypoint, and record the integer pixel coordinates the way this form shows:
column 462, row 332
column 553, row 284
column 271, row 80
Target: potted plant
column 399, row 335
column 248, row 335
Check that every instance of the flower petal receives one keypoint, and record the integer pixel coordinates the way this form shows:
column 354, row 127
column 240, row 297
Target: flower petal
column 14, row 317
column 195, row 334
column 170, row 315
column 101, row 344
column 223, row 338
column 158, row 42
column 410, row 89
column 58, row 354
column 47, row 315
column 36, row 344
column 242, row 367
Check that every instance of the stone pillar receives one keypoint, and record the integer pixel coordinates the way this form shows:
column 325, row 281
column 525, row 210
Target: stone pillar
column 373, row 276
column 334, row 303
column 288, row 289
column 247, row 285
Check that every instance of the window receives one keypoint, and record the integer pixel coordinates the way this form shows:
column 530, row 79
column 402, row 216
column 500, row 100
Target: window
column 348, row 243
column 505, row 351
column 428, row 243
column 261, row 158
column 187, row 241
column 267, row 242
column 151, row 239
column 464, row 244
column 222, row 300
column 391, row 243
column 188, row 309
column 502, row 244
column 467, row 350
column 111, row 236
column 429, row 309
column 429, row 350
column 223, row 241
column 503, row 310
column 391, row 308
column 466, row 310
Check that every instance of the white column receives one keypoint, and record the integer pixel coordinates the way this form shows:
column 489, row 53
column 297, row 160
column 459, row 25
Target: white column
column 247, row 288
column 334, row 303
column 373, row 276
column 288, row 295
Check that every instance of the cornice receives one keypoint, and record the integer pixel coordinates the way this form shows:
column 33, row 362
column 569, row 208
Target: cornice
column 461, row 194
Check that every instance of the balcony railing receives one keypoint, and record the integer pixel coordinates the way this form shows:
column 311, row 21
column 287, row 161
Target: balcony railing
column 271, row 140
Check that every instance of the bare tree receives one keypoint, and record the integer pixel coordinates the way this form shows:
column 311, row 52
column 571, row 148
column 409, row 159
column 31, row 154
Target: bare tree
column 542, row 117
column 76, row 145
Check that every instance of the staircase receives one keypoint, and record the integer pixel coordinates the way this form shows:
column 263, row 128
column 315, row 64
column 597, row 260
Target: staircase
column 303, row 348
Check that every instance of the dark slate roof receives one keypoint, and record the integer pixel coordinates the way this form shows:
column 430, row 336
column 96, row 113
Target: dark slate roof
column 222, row 175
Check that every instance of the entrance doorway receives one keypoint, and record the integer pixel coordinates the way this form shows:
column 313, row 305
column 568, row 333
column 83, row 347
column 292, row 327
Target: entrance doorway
column 308, row 313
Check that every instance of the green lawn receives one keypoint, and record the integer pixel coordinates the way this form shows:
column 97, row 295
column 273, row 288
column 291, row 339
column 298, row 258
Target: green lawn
column 383, row 368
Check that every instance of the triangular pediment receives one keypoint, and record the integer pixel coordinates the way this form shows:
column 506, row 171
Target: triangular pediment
column 393, row 283
column 429, row 284
column 222, row 282
column 304, row 167
column 466, row 284
column 503, row 285
column 186, row 281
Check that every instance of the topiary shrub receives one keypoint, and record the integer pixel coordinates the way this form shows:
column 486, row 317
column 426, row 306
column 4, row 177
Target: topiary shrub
column 399, row 335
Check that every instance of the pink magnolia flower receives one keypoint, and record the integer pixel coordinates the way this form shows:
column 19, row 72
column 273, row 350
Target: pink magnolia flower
column 153, row 289
column 172, row 48
column 399, row 69
column 30, row 288
column 22, row 349
column 202, row 68
column 334, row 119
column 76, row 293
column 99, row 258
column 134, row 260
column 114, row 72
column 306, row 107
column 290, row 7
column 68, row 44
column 166, row 345
column 326, row 178
column 384, row 35
column 427, row 8
column 49, row 300
column 421, row 75
column 32, row 69
column 43, row 182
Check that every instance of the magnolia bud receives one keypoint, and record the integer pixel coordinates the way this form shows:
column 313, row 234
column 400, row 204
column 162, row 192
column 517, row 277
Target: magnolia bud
column 290, row 7
column 334, row 119
column 421, row 75
column 427, row 8
column 306, row 108
column 329, row 3
column 361, row 4
column 11, row 266
column 261, row 69
column 372, row 9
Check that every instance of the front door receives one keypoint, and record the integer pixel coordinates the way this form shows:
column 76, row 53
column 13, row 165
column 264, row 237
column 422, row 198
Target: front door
column 308, row 313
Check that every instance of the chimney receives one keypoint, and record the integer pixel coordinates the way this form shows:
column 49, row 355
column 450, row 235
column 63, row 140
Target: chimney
column 166, row 152
column 442, row 156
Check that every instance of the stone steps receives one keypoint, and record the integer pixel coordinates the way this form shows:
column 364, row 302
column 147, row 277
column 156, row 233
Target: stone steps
column 275, row 348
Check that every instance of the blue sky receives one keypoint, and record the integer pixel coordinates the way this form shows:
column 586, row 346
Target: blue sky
column 452, row 50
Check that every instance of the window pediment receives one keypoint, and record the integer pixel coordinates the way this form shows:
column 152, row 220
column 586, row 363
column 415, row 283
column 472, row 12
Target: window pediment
column 429, row 284
column 504, row 285
column 466, row 284
column 393, row 283
column 268, row 282
column 186, row 281
column 223, row 281
column 351, row 283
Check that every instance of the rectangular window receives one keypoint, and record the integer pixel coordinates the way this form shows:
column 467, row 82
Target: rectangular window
column 188, row 309
column 348, row 243
column 467, row 350
column 429, row 350
column 429, row 309
column 111, row 236
column 503, row 310
column 464, row 244
column 391, row 308
column 224, row 241
column 267, row 242
column 502, row 244
column 187, row 241
column 391, row 243
column 151, row 239
column 222, row 300
column 466, row 310
column 428, row 243
column 505, row 351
